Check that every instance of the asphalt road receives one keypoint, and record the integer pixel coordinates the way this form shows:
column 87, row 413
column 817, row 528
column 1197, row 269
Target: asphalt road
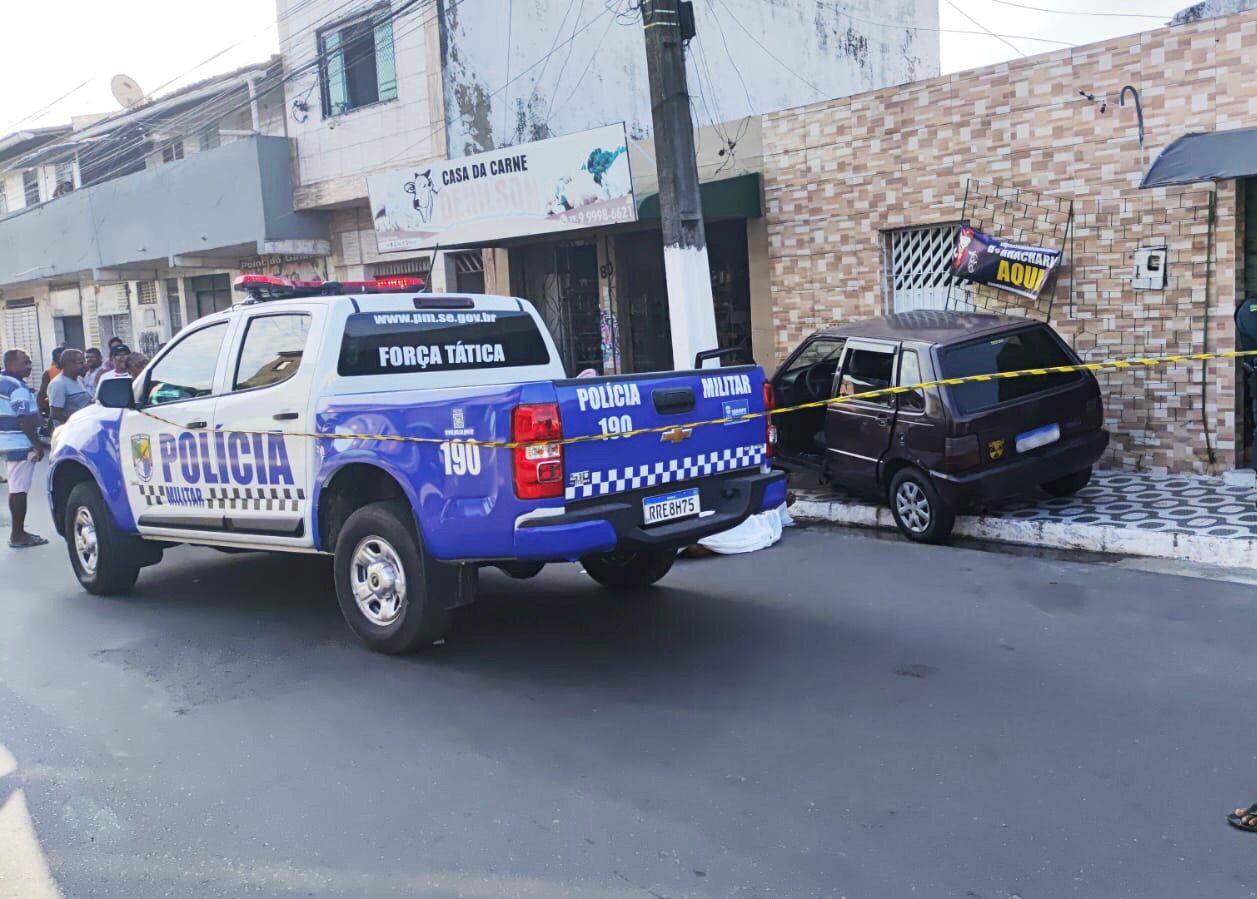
column 838, row 716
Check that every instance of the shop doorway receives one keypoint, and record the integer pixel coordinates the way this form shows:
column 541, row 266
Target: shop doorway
column 644, row 295
column 21, row 329
column 561, row 280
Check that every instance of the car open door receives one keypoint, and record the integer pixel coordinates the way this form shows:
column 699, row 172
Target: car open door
column 858, row 433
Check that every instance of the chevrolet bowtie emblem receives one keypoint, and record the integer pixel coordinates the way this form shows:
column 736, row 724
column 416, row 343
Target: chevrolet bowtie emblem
column 676, row 435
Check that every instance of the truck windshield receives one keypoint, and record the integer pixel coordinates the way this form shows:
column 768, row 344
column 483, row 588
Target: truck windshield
column 385, row 343
column 1032, row 348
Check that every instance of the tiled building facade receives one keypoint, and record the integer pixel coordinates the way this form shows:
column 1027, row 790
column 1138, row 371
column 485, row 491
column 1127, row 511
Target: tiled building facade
column 1015, row 148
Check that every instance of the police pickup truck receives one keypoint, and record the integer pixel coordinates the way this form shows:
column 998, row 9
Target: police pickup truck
column 359, row 420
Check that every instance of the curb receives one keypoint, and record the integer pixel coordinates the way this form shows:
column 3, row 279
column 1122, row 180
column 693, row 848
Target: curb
column 1223, row 551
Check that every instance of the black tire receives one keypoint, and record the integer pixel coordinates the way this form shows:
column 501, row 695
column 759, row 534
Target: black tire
column 626, row 570
column 920, row 513
column 384, row 621
column 106, row 559
column 1070, row 484
column 522, row 571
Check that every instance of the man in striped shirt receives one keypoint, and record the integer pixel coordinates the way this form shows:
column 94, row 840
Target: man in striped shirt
column 20, row 446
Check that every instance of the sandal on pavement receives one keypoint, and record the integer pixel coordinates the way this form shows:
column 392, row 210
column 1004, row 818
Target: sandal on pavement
column 1244, row 818
column 31, row 540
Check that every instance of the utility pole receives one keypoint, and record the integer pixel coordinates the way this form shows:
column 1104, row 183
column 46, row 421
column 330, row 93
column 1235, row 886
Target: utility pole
column 691, row 311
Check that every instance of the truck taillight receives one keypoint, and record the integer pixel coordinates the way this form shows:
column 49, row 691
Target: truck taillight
column 539, row 465
column 770, row 429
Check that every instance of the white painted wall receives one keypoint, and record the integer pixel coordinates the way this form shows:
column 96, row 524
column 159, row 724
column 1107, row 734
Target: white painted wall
column 833, row 49
column 381, row 136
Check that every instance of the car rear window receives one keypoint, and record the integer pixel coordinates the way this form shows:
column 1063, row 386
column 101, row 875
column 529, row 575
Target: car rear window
column 386, row 343
column 1032, row 348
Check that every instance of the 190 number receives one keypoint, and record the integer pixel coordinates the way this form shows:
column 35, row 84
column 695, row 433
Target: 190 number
column 616, row 424
column 460, row 458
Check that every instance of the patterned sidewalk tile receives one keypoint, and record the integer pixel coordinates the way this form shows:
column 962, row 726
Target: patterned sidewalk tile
column 1179, row 504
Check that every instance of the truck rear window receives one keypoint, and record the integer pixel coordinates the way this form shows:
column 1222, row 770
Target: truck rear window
column 385, row 343
column 1033, row 348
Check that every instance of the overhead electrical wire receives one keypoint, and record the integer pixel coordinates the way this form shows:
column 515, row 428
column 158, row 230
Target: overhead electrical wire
column 1073, row 12
column 315, row 26
column 999, row 37
column 220, row 109
column 843, row 9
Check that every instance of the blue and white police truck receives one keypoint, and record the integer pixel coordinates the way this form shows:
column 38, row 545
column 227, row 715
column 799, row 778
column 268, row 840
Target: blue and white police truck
column 350, row 419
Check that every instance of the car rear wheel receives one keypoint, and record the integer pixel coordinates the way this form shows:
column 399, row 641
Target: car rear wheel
column 106, row 559
column 382, row 582
column 626, row 570
column 1070, row 484
column 922, row 516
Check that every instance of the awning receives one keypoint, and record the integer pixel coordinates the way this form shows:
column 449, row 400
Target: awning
column 732, row 198
column 1218, row 156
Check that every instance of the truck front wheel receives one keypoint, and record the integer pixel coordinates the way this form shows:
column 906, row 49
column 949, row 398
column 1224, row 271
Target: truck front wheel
column 106, row 559
column 381, row 582
column 633, row 569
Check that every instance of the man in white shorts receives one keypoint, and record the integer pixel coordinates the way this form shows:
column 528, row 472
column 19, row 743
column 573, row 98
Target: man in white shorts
column 20, row 446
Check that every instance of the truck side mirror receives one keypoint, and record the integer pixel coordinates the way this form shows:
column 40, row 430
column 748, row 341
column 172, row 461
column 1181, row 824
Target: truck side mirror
column 116, row 393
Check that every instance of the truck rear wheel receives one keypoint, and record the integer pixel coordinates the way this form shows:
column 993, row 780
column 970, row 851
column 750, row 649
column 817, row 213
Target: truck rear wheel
column 381, row 581
column 633, row 569
column 106, row 559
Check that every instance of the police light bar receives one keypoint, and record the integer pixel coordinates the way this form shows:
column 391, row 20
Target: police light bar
column 268, row 287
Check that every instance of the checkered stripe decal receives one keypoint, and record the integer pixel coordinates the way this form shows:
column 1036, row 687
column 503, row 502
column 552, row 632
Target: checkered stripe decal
column 255, row 499
column 240, row 499
column 635, row 477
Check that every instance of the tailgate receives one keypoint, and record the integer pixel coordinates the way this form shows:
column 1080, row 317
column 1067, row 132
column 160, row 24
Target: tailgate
column 616, row 405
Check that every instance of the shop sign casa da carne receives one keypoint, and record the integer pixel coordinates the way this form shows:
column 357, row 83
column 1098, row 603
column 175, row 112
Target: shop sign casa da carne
column 1016, row 268
column 576, row 181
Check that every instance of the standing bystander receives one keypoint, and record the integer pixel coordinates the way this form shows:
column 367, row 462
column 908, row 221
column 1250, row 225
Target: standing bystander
column 95, row 368
column 1246, row 334
column 118, row 354
column 19, row 442
column 49, row 373
column 66, row 393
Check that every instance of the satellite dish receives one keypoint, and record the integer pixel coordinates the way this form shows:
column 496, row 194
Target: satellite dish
column 125, row 91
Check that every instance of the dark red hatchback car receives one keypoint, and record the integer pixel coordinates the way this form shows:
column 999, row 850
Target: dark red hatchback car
column 933, row 451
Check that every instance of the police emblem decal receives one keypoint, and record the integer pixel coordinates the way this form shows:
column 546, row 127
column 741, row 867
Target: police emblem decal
column 995, row 449
column 458, row 420
column 142, row 456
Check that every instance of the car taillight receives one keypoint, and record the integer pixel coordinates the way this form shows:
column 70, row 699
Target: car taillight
column 770, row 429
column 960, row 453
column 539, row 465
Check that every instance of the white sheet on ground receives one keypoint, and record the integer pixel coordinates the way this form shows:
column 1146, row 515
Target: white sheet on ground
column 760, row 531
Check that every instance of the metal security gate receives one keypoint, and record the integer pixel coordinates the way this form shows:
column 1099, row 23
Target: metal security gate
column 917, row 271
column 21, row 332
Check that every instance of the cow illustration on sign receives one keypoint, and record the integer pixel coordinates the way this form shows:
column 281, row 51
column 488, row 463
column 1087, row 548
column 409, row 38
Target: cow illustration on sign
column 424, row 193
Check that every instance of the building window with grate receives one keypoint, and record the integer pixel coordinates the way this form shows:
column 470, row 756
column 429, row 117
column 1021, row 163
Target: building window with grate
column 917, row 262
column 146, row 293
column 4, row 199
column 172, row 151
column 30, row 186
column 357, row 64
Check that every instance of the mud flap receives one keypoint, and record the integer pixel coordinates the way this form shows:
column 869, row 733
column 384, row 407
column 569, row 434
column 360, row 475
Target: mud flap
column 457, row 583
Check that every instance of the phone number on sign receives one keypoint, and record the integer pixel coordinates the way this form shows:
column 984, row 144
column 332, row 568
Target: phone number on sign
column 607, row 215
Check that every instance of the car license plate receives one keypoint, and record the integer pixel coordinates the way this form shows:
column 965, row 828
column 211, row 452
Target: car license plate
column 682, row 504
column 1038, row 437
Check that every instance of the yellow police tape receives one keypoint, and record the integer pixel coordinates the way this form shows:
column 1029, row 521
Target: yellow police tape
column 1146, row 362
